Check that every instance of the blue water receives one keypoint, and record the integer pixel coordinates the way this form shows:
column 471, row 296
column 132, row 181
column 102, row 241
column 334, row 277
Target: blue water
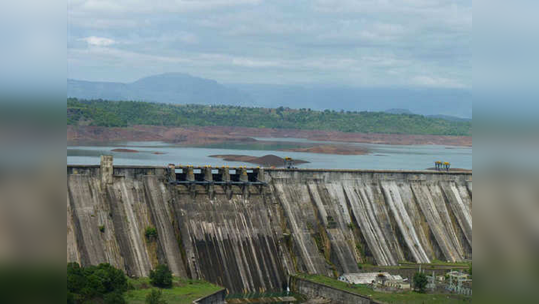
column 394, row 157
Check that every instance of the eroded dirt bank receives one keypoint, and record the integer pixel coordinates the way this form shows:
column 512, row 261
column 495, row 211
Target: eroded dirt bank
column 332, row 149
column 208, row 135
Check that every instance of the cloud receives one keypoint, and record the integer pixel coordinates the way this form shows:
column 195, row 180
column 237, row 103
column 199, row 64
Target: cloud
column 163, row 6
column 425, row 43
column 98, row 41
column 432, row 81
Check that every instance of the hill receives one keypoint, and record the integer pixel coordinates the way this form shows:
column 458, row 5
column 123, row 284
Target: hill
column 129, row 113
column 165, row 88
column 424, row 101
column 446, row 117
column 449, row 117
column 180, row 88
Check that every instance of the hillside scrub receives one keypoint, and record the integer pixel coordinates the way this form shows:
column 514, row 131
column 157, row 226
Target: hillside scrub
column 129, row 113
column 161, row 276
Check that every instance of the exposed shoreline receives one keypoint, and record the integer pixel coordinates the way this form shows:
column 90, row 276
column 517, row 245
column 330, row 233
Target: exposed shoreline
column 266, row 160
column 125, row 150
column 200, row 136
column 332, row 149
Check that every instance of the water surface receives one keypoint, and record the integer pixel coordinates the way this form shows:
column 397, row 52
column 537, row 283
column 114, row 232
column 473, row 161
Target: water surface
column 394, row 157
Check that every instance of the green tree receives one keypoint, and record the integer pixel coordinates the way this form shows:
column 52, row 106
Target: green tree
column 420, row 281
column 161, row 276
column 127, row 113
column 155, row 297
column 95, row 284
column 114, row 298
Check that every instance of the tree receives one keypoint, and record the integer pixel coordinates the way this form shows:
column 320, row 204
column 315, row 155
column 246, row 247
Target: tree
column 101, row 283
column 161, row 276
column 155, row 297
column 114, row 298
column 126, row 113
column 420, row 281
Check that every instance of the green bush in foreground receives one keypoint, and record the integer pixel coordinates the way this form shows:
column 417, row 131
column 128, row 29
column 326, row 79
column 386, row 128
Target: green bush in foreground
column 420, row 281
column 102, row 283
column 161, row 276
column 114, row 298
column 155, row 297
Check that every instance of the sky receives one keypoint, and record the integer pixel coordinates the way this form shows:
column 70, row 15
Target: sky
column 360, row 43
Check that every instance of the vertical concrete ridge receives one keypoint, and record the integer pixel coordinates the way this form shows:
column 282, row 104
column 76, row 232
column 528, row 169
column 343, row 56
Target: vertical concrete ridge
column 404, row 222
column 158, row 200
column 296, row 204
column 73, row 253
column 83, row 204
column 369, row 225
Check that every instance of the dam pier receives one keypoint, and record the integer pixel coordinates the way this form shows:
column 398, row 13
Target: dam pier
column 249, row 229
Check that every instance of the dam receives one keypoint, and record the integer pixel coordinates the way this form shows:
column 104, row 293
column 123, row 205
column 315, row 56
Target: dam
column 248, row 229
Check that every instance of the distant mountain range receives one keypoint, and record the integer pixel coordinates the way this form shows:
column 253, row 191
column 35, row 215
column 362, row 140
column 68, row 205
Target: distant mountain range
column 164, row 88
column 178, row 88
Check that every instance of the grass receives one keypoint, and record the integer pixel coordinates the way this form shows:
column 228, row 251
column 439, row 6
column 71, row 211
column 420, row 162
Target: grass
column 184, row 291
column 435, row 264
column 439, row 263
column 409, row 297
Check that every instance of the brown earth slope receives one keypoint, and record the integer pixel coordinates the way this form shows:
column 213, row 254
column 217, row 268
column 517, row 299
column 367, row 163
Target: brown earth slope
column 207, row 135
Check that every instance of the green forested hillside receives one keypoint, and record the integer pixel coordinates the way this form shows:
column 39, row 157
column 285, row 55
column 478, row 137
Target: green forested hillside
column 126, row 113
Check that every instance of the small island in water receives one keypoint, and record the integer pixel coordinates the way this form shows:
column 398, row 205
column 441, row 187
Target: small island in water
column 134, row 151
column 265, row 161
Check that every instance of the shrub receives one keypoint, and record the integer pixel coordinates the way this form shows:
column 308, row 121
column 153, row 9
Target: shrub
column 420, row 281
column 150, row 232
column 102, row 283
column 155, row 297
column 102, row 228
column 70, row 298
column 114, row 298
column 161, row 276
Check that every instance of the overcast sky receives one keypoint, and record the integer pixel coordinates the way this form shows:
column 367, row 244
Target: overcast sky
column 365, row 43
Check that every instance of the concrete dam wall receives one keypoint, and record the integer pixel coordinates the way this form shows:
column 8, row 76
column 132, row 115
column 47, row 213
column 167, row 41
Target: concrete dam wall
column 248, row 229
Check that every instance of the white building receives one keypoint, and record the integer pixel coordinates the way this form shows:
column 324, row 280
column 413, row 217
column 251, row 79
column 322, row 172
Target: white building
column 368, row 277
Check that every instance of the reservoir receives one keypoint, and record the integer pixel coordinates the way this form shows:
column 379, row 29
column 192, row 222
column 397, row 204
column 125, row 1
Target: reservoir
column 380, row 157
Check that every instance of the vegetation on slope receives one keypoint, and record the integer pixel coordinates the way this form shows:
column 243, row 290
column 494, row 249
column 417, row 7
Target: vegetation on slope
column 105, row 284
column 183, row 291
column 127, row 113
